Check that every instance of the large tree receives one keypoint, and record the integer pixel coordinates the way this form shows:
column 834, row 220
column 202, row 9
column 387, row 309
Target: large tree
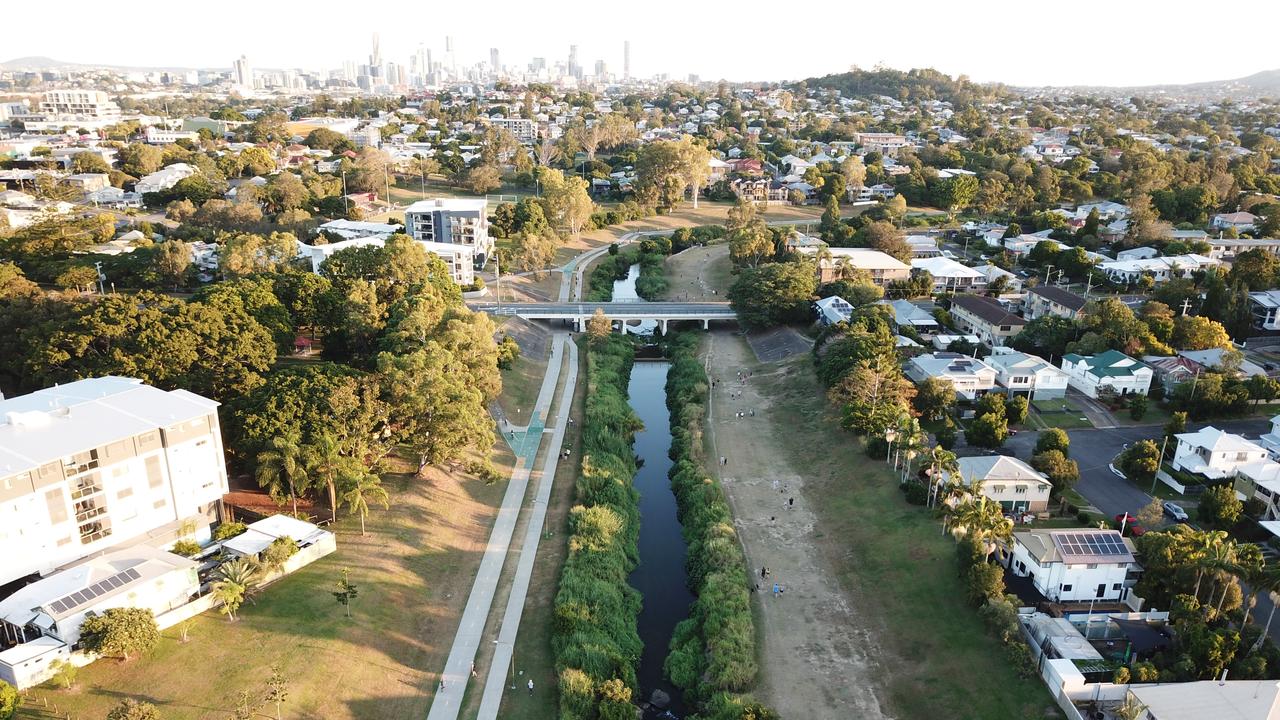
column 773, row 294
column 119, row 632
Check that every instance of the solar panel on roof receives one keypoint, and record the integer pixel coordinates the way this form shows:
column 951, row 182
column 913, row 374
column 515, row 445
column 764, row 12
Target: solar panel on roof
column 57, row 606
column 77, row 597
column 115, row 581
column 132, row 574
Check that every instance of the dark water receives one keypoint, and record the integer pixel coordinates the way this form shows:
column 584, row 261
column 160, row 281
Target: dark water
column 660, row 576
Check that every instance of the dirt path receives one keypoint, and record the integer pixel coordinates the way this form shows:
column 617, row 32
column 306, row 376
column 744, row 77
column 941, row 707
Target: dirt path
column 817, row 654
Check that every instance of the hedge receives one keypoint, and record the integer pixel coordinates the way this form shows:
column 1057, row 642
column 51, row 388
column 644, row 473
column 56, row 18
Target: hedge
column 594, row 636
column 713, row 652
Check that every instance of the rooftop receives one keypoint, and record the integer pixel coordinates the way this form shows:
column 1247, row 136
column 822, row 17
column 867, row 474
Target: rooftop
column 1111, row 363
column 1063, row 297
column 996, row 467
column 944, row 267
column 1076, row 546
column 451, row 204
column 1215, row 440
column 63, row 420
column 1229, row 700
column 987, row 309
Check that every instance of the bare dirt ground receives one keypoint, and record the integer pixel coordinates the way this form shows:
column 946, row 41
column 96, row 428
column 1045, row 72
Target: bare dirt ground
column 699, row 274
column 818, row 655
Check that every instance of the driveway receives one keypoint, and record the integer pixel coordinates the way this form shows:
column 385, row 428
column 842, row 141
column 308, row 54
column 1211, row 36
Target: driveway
column 1098, row 414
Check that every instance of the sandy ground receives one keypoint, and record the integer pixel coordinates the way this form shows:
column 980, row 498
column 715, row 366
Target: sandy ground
column 818, row 658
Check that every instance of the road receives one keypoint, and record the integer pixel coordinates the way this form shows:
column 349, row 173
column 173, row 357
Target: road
column 1093, row 451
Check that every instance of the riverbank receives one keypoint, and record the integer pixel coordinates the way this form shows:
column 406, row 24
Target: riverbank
column 713, row 652
column 651, row 284
column 595, row 640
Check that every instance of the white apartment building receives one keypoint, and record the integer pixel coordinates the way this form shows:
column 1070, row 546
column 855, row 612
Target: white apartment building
column 524, row 129
column 452, row 221
column 1021, row 373
column 969, row 376
column 93, row 104
column 162, row 136
column 459, row 258
column 103, row 462
column 1214, row 453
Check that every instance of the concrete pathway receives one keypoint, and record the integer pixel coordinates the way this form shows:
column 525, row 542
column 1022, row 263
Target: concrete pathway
column 505, row 644
column 457, row 669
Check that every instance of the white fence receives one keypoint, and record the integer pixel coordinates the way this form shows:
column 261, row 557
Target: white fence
column 1167, row 479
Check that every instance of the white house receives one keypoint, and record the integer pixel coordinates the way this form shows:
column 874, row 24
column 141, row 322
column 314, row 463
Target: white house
column 1217, row 699
column 948, row 274
column 460, row 258
column 1240, row 221
column 1160, row 269
column 1013, row 284
column 1007, row 480
column 1214, row 453
column 164, row 178
column 1271, row 440
column 1020, row 373
column 42, row 620
column 1112, row 370
column 1044, row 300
column 1078, row 565
column 970, row 376
column 905, row 313
column 100, row 463
column 1265, row 306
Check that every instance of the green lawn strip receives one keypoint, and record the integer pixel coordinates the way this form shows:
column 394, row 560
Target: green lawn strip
column 903, row 573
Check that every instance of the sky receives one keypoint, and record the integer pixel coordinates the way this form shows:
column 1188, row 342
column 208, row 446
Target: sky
column 1085, row 42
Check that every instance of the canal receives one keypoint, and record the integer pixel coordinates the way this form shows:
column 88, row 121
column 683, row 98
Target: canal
column 660, row 576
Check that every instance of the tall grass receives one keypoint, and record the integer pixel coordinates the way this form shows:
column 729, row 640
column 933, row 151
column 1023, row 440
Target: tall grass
column 713, row 652
column 594, row 637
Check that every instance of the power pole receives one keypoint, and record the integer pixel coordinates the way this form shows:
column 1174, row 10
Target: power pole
column 1046, row 274
column 1185, row 303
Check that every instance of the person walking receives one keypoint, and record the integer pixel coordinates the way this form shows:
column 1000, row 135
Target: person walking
column 530, row 686
column 775, row 589
column 791, row 502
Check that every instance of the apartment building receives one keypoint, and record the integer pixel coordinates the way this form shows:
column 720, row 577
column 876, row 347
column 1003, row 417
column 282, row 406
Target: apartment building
column 457, row 221
column 986, row 318
column 79, row 103
column 100, row 463
column 1049, row 300
column 524, row 129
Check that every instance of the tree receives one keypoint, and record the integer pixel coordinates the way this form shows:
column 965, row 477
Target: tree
column 275, row 555
column 172, row 260
column 77, row 277
column 282, row 468
column 773, row 294
column 64, row 674
column 365, row 487
column 598, row 326
column 1138, row 406
column 750, row 241
column 130, row 709
column 1152, row 514
column 231, row 595
column 935, row 397
column 482, row 179
column 9, row 700
column 886, row 238
column 1053, row 439
column 1177, row 423
column 138, row 159
column 989, row 430
column 855, row 173
column 436, row 398
column 345, row 591
column 1192, row 332
column 1219, row 507
column 277, row 689
column 1015, row 409
column 665, row 169
column 534, row 251
column 955, row 192
column 119, row 632
column 981, row 521
column 323, row 459
column 1141, row 461
column 1256, row 269
column 89, row 162
column 1063, row 473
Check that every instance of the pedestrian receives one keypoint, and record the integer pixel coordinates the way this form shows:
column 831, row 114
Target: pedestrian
column 530, row 686
column 441, row 685
column 775, row 589
column 753, row 412
column 791, row 502
column 473, row 670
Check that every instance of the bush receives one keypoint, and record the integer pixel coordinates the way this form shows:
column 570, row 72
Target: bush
column 1121, row 676
column 1082, row 517
column 1015, row 409
column 119, row 632
column 1053, row 439
column 228, row 530
column 186, row 548
column 984, row 581
column 278, row 552
column 9, row 700
column 917, row 493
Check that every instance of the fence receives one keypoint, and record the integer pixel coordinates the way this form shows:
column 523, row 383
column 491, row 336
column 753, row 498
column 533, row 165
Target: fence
column 1167, row 479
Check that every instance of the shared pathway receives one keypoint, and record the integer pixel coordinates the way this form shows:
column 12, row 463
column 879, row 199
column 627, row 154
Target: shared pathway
column 457, row 670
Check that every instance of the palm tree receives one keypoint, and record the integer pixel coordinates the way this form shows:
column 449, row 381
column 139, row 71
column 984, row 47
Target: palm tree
column 956, row 495
column 365, row 486
column 281, row 468
column 231, row 595
column 983, row 520
column 1220, row 558
column 1269, row 581
column 324, row 460
column 1204, row 542
column 942, row 462
column 241, row 571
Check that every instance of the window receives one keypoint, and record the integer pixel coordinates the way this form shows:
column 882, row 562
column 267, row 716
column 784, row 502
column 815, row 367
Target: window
column 1115, row 586
column 1092, row 566
column 158, row 504
column 155, row 478
column 997, row 489
column 1020, row 489
column 127, row 492
column 1066, row 588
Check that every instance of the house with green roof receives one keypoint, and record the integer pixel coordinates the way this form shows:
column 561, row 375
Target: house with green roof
column 1093, row 374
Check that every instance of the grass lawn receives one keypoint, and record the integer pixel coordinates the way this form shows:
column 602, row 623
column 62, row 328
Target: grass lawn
column 520, row 385
column 1057, row 414
column 902, row 572
column 412, row 571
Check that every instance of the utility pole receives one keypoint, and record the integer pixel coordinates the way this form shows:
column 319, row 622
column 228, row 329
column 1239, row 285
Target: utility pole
column 1185, row 304
column 497, row 264
column 1046, row 274
column 1088, row 285
column 101, row 278
column 346, row 208
column 1159, row 465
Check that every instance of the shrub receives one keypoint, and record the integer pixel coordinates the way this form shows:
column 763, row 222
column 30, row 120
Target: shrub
column 186, row 548
column 119, row 632
column 9, row 700
column 917, row 493
column 1082, row 517
column 1121, row 676
column 64, row 673
column 1053, row 439
column 228, row 530
column 278, row 552
column 984, row 581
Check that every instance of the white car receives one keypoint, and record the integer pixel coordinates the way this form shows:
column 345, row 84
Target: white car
column 1175, row 511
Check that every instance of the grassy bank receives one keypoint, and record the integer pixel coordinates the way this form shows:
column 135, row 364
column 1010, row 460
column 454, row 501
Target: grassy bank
column 594, row 635
column 651, row 285
column 713, row 652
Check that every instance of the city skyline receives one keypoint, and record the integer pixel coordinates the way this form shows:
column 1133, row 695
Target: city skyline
column 1152, row 51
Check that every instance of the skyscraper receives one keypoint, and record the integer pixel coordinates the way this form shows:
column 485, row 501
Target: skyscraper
column 375, row 58
column 493, row 60
column 573, row 69
column 449, row 61
column 242, row 74
column 601, row 70
column 626, row 59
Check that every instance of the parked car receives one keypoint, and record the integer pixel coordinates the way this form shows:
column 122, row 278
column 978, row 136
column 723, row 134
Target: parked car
column 1130, row 523
column 1175, row 511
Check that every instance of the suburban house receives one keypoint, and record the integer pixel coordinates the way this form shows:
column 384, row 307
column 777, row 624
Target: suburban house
column 104, row 462
column 1111, row 370
column 1044, row 300
column 949, row 275
column 1218, row 699
column 1228, row 248
column 1214, row 453
column 1220, row 359
column 1238, row 221
column 1171, row 372
column 452, row 221
column 1265, row 307
column 970, row 376
column 909, row 315
column 986, row 318
column 1271, row 440
column 832, row 310
column 1007, row 480
column 1019, row 373
column 1076, row 565
column 923, row 246
column 1012, row 283
column 41, row 621
column 882, row 267
column 1260, row 481
column 1138, row 253
column 164, row 178
column 1159, row 269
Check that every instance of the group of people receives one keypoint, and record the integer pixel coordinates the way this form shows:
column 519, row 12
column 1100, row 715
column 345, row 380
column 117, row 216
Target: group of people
column 778, row 588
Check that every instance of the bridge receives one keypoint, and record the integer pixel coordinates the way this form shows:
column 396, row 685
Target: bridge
column 624, row 312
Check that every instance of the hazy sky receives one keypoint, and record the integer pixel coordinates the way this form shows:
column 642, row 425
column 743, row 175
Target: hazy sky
column 1111, row 42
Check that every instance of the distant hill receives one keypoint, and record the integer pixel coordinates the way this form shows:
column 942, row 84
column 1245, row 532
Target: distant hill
column 907, row 86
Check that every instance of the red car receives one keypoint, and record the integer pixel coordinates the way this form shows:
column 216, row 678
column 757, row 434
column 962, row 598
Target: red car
column 1130, row 523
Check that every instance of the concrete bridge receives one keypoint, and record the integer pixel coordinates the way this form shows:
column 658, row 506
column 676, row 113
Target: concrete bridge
column 624, row 312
